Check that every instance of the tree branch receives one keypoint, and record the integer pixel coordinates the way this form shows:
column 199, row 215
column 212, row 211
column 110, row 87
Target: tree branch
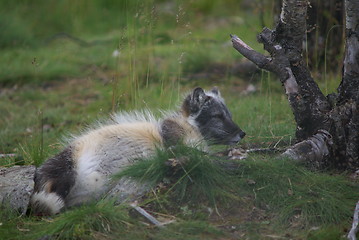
column 278, row 65
column 257, row 58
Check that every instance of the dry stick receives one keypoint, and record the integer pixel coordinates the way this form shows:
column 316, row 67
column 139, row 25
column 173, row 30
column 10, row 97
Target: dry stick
column 354, row 230
column 148, row 216
column 279, row 65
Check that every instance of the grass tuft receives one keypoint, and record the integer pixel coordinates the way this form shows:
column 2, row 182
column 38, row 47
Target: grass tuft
column 10, row 223
column 297, row 195
column 85, row 222
column 197, row 178
column 330, row 232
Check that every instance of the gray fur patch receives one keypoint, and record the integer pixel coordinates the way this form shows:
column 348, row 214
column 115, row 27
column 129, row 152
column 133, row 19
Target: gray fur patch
column 56, row 175
column 171, row 132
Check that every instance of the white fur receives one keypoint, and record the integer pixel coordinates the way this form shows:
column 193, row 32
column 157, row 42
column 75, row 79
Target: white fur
column 105, row 151
column 134, row 116
column 217, row 96
column 121, row 117
column 51, row 201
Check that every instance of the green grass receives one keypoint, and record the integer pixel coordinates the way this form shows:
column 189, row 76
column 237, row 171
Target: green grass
column 101, row 220
column 85, row 222
column 198, row 179
column 287, row 194
column 294, row 194
column 330, row 232
column 297, row 195
column 58, row 61
column 151, row 39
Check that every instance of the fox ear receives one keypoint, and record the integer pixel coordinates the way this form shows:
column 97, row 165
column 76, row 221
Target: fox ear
column 215, row 90
column 194, row 101
column 198, row 95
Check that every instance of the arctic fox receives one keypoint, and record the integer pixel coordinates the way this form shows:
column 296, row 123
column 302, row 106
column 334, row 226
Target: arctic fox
column 82, row 171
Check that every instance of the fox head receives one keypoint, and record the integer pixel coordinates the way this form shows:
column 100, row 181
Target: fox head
column 208, row 112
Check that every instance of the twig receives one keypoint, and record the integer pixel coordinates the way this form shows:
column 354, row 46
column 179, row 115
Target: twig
column 148, row 216
column 265, row 150
column 354, row 230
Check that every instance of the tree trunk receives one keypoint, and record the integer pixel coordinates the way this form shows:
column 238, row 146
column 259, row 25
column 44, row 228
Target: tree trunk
column 327, row 126
column 324, row 34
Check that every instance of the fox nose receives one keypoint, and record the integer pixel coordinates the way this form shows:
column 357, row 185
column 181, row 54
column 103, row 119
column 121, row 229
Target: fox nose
column 235, row 139
column 242, row 134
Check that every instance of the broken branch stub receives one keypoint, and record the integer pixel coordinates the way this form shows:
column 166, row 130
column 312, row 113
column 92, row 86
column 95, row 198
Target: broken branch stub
column 276, row 65
column 257, row 58
column 313, row 150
